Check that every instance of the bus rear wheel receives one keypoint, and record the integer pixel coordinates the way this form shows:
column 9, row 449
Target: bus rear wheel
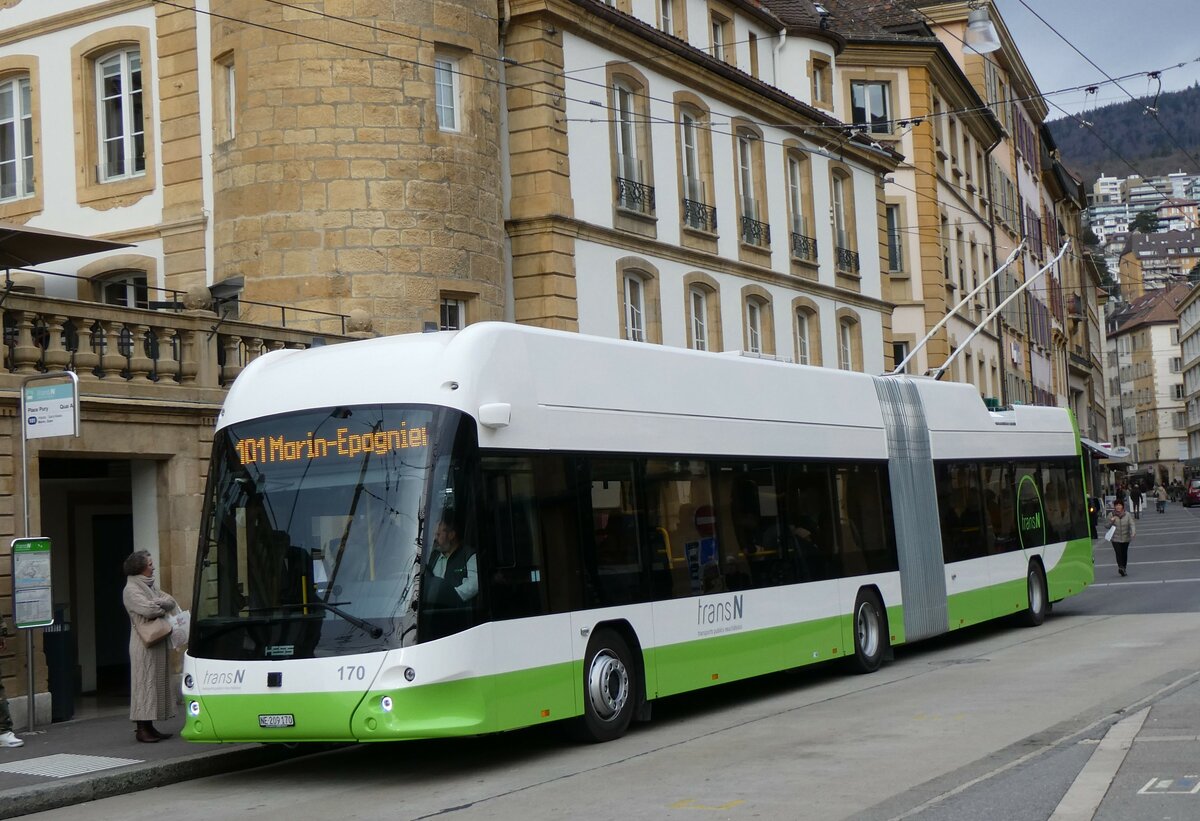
column 1039, row 599
column 610, row 691
column 870, row 634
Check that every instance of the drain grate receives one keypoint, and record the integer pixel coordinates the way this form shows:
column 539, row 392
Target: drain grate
column 63, row 765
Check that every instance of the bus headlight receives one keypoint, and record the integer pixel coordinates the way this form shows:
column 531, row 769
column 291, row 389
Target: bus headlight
column 386, row 704
column 193, row 708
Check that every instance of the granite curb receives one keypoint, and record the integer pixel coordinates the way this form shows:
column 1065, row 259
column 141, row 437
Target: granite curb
column 147, row 775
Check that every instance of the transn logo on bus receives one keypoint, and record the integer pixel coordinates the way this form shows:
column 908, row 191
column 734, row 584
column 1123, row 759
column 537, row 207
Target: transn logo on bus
column 717, row 612
column 224, row 678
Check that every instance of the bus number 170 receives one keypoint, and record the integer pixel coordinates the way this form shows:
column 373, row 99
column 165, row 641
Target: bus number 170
column 353, row 672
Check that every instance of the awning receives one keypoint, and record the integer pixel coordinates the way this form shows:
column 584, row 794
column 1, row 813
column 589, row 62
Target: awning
column 1119, row 455
column 24, row 247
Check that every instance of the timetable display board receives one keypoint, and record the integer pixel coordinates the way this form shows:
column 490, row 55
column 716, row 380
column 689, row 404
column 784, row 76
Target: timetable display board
column 32, row 600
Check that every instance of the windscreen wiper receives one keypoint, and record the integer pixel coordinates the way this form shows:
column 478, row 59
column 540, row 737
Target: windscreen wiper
column 373, row 630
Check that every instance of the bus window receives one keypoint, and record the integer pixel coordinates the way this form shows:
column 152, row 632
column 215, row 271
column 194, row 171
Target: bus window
column 960, row 510
column 999, row 507
column 681, row 523
column 517, row 584
column 862, row 542
column 615, row 524
column 1030, row 495
column 1076, row 501
column 1055, row 503
column 748, row 521
column 808, row 522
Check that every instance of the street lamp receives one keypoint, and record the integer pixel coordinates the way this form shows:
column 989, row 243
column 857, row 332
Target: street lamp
column 981, row 31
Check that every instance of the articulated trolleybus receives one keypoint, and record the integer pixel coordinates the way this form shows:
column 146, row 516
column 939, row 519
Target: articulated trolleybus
column 458, row 533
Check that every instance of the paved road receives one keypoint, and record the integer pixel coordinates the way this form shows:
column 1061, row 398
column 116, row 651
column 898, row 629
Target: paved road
column 1094, row 714
column 1164, row 568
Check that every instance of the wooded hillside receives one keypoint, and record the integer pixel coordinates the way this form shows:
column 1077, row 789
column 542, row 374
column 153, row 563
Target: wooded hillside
column 1135, row 136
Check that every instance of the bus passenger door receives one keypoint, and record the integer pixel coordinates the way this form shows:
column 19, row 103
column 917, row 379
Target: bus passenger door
column 969, row 594
column 529, row 518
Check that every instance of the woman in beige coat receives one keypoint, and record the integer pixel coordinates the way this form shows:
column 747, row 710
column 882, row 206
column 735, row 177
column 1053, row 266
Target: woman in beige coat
column 150, row 697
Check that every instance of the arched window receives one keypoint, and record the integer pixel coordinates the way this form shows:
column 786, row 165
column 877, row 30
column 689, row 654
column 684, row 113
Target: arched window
column 695, row 168
column 702, row 312
column 849, row 341
column 803, row 241
column 806, row 331
column 632, row 173
column 637, row 298
column 751, row 186
column 758, row 330
column 127, row 288
column 844, row 234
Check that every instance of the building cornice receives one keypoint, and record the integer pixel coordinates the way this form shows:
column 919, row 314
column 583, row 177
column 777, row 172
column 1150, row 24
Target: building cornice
column 70, row 19
column 580, row 230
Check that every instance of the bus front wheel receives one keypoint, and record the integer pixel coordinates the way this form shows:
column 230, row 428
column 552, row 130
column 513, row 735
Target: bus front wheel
column 609, row 687
column 1039, row 600
column 870, row 633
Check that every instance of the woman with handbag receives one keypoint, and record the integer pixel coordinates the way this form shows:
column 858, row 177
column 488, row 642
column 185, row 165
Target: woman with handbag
column 150, row 696
column 1122, row 531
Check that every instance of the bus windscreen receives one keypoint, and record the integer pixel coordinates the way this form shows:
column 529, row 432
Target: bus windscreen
column 313, row 529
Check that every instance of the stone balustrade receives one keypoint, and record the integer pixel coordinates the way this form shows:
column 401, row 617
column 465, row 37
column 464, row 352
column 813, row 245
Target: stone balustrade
column 110, row 345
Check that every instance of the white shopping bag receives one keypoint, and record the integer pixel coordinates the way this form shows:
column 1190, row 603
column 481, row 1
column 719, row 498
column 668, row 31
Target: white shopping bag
column 181, row 623
column 1108, row 534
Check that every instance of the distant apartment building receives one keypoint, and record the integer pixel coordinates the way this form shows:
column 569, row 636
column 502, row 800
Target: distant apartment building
column 1189, row 345
column 1150, row 261
column 1147, row 373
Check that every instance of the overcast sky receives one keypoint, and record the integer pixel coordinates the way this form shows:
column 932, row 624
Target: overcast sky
column 1121, row 36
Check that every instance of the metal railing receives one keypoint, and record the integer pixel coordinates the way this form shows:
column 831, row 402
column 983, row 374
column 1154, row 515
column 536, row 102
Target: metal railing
column 635, row 196
column 755, row 232
column 803, row 247
column 847, row 260
column 699, row 216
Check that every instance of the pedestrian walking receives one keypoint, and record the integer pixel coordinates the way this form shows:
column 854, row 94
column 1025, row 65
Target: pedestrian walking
column 1122, row 534
column 1161, row 494
column 150, row 696
column 1135, row 500
column 7, row 737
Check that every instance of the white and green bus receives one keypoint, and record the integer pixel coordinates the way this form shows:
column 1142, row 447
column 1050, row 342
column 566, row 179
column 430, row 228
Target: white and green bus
column 465, row 532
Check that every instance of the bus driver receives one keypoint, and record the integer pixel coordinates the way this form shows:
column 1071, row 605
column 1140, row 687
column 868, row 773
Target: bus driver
column 454, row 568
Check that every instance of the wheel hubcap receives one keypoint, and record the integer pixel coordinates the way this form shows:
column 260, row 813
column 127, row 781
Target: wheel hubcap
column 608, row 685
column 868, row 629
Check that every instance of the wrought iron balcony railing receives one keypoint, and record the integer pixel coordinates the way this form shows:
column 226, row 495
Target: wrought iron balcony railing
column 699, row 216
column 847, row 260
column 635, row 196
column 755, row 232
column 804, row 248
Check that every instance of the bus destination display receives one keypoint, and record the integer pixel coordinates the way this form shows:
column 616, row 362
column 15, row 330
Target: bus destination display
column 344, row 445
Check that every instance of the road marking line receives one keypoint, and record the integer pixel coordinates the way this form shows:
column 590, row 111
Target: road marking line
column 1151, row 581
column 1161, row 561
column 1088, row 790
